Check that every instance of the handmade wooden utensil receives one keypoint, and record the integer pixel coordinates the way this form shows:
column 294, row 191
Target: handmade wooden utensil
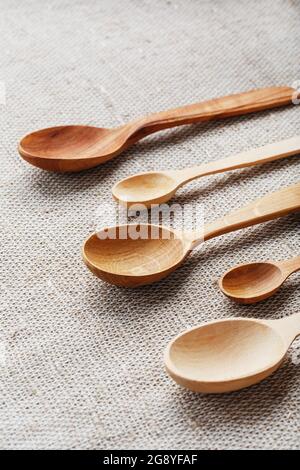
column 226, row 355
column 158, row 187
column 137, row 254
column 253, row 282
column 76, row 148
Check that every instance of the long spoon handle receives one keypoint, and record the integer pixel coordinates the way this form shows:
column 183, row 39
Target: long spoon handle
column 265, row 154
column 219, row 108
column 271, row 206
column 291, row 265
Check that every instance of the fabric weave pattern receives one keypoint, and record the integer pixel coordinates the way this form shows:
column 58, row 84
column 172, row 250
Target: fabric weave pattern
column 83, row 360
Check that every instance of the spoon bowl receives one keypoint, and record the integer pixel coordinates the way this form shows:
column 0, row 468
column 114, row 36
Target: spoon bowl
column 253, row 282
column 132, row 255
column 69, row 148
column 225, row 355
column 155, row 188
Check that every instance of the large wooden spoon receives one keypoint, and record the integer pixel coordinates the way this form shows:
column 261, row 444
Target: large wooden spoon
column 226, row 355
column 76, row 148
column 138, row 254
column 158, row 187
column 253, row 282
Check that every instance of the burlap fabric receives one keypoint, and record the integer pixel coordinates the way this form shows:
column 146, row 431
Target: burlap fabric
column 81, row 361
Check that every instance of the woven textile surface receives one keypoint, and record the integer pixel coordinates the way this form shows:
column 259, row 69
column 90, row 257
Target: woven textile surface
column 81, row 361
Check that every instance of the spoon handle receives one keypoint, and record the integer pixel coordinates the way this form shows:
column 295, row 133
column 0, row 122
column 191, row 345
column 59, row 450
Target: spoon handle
column 271, row 206
column 218, row 108
column 291, row 265
column 289, row 327
column 265, row 154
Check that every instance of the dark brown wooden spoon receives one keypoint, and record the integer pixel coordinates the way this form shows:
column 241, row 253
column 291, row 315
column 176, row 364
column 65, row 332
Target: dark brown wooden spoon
column 76, row 148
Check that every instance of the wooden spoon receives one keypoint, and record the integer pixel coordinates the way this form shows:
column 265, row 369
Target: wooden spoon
column 159, row 187
column 226, row 355
column 250, row 283
column 138, row 254
column 76, row 148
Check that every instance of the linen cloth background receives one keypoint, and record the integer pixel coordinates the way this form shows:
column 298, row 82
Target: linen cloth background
column 83, row 360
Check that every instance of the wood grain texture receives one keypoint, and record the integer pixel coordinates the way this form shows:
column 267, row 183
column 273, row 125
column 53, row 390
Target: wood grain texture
column 231, row 354
column 252, row 282
column 139, row 254
column 76, row 148
column 131, row 262
column 159, row 187
column 271, row 206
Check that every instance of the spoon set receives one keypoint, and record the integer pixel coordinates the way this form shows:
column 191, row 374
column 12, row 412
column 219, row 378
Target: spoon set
column 219, row 356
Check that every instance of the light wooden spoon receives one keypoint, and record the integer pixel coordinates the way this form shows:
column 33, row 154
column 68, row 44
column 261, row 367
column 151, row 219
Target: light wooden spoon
column 226, row 355
column 123, row 256
column 253, row 282
column 159, row 187
column 76, row 148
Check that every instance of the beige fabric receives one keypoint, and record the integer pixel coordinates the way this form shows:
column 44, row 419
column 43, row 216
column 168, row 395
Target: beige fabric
column 83, row 363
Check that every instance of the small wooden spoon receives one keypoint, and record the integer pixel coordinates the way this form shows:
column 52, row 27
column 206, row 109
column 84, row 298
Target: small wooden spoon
column 253, row 282
column 226, row 355
column 159, row 187
column 138, row 254
column 76, row 148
